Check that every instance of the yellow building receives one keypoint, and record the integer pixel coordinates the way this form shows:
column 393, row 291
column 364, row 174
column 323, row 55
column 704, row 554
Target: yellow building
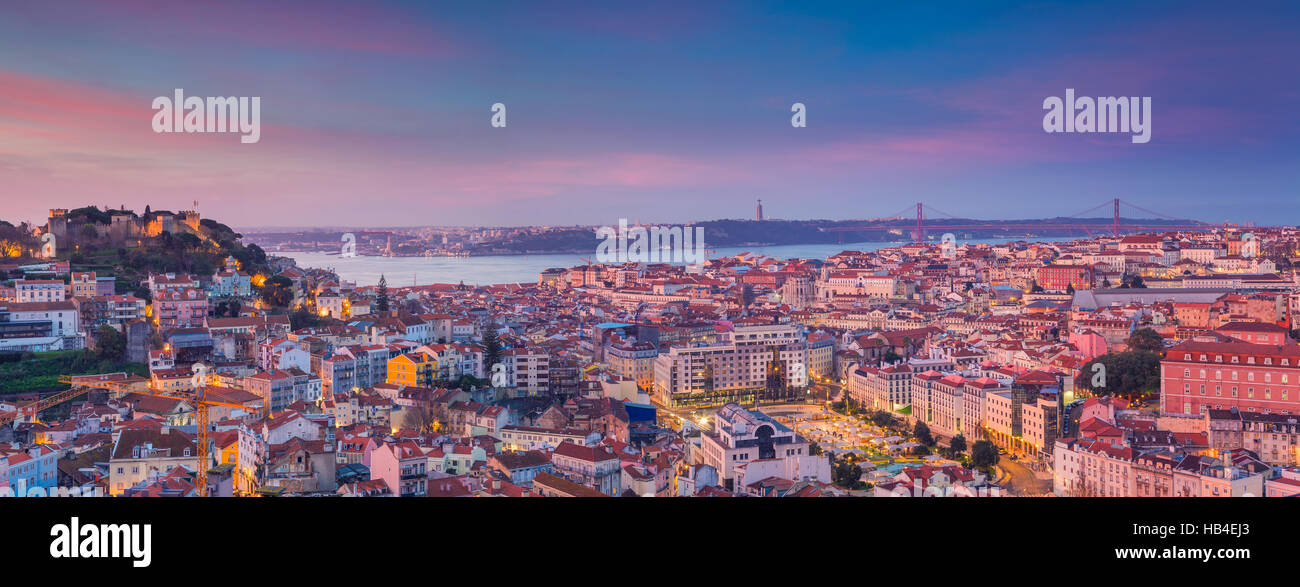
column 412, row 370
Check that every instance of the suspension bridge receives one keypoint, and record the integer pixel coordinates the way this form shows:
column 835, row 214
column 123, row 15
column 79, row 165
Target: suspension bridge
column 930, row 218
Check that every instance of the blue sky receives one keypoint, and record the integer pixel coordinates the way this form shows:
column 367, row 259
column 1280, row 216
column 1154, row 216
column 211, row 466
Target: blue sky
column 378, row 114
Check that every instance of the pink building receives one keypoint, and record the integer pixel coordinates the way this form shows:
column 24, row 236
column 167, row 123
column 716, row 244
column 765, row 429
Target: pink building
column 403, row 466
column 1089, row 343
column 1198, row 376
column 1255, row 332
column 180, row 308
column 1096, row 469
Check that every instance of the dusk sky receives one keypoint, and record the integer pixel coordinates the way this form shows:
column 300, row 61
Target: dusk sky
column 378, row 114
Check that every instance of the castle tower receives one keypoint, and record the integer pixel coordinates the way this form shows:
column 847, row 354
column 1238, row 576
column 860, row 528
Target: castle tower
column 58, row 223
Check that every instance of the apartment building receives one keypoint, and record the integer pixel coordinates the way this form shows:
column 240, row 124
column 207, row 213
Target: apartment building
column 412, row 370
column 763, row 361
column 528, row 370
column 1200, row 375
column 141, row 454
column 1275, row 438
column 596, row 467
column 884, row 388
column 39, row 290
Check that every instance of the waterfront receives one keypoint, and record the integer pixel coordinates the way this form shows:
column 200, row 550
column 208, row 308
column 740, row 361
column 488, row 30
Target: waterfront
column 485, row 270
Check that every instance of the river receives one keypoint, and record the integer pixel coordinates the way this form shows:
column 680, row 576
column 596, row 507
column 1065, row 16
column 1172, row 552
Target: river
column 490, row 269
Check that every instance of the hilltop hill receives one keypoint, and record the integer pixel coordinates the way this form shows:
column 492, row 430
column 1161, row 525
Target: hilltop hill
column 128, row 246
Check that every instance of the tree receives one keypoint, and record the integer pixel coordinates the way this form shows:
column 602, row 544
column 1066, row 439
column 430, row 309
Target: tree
column 491, row 347
column 847, row 474
column 1035, row 288
column 747, row 295
column 891, row 357
column 188, row 241
column 882, row 419
column 1133, row 281
column 1129, row 373
column 277, row 292
column 110, row 345
column 1145, row 339
column 301, row 318
column 381, row 299
column 983, row 454
column 922, row 433
column 814, row 449
column 1069, row 288
column 467, row 381
column 420, row 418
column 957, row 445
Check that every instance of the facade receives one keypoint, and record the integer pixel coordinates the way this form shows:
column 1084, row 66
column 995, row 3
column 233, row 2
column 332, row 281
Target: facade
column 40, row 326
column 521, row 467
column 84, row 284
column 596, row 467
column 144, row 454
column 1063, row 277
column 39, row 290
column 521, row 438
column 1096, row 469
column 1198, row 376
column 1273, row 437
column 851, row 283
column 767, row 361
column 412, row 370
column 276, row 388
column 231, row 283
column 403, row 466
column 633, row 360
column 886, row 388
column 741, row 436
column 1039, row 424
column 28, row 472
column 180, row 307
column 528, row 370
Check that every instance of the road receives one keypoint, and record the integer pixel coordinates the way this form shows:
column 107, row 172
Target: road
column 1021, row 481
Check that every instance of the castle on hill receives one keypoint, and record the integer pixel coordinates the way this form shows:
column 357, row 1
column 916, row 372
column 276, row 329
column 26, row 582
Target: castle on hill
column 124, row 226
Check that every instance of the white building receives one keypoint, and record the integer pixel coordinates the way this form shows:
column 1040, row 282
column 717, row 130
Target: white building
column 39, row 290
column 738, row 367
column 741, row 436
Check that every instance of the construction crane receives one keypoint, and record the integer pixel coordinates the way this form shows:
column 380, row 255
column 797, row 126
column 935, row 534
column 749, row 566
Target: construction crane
column 197, row 398
column 32, row 409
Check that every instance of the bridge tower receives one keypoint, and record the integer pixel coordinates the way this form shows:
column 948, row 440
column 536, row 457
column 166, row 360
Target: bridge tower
column 920, row 215
column 1115, row 222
